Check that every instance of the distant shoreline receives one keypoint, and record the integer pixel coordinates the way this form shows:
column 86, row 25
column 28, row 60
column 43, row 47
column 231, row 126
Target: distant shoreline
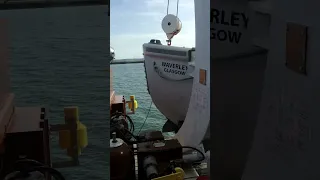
column 127, row 61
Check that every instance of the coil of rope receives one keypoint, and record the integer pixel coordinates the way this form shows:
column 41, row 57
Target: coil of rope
column 123, row 126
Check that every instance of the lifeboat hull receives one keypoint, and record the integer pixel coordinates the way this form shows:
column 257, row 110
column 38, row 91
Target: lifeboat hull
column 169, row 78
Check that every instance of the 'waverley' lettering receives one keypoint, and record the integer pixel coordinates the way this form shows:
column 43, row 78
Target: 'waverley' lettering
column 230, row 19
column 174, row 68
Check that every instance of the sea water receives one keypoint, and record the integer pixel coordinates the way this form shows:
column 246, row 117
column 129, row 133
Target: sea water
column 59, row 57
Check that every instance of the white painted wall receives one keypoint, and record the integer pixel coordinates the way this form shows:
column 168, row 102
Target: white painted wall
column 290, row 104
column 196, row 123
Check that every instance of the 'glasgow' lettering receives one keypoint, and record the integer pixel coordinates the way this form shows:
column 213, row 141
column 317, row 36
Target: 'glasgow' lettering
column 174, row 71
column 174, row 68
column 223, row 35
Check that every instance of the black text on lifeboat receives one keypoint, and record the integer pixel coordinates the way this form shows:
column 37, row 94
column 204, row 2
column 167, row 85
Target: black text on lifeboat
column 174, row 68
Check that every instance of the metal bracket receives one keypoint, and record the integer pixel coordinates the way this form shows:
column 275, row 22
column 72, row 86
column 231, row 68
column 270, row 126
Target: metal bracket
column 203, row 76
column 70, row 125
column 296, row 48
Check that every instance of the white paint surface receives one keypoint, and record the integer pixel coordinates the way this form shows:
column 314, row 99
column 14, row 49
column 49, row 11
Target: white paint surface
column 196, row 123
column 170, row 92
column 287, row 137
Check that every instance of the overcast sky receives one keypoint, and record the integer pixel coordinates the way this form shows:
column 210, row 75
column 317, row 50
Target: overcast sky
column 134, row 22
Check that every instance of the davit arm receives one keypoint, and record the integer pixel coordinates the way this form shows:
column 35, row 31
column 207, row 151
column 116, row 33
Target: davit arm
column 197, row 120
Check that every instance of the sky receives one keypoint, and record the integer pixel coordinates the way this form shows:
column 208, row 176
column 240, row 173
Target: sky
column 135, row 22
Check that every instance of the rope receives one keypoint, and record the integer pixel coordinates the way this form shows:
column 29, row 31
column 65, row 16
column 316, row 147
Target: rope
column 145, row 120
column 177, row 8
column 168, row 7
column 168, row 4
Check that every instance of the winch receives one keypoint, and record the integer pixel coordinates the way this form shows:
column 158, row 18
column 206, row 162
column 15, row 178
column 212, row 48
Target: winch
column 146, row 156
column 148, row 160
column 121, row 159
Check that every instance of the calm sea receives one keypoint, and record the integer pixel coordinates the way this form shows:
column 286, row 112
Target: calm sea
column 129, row 79
column 59, row 58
